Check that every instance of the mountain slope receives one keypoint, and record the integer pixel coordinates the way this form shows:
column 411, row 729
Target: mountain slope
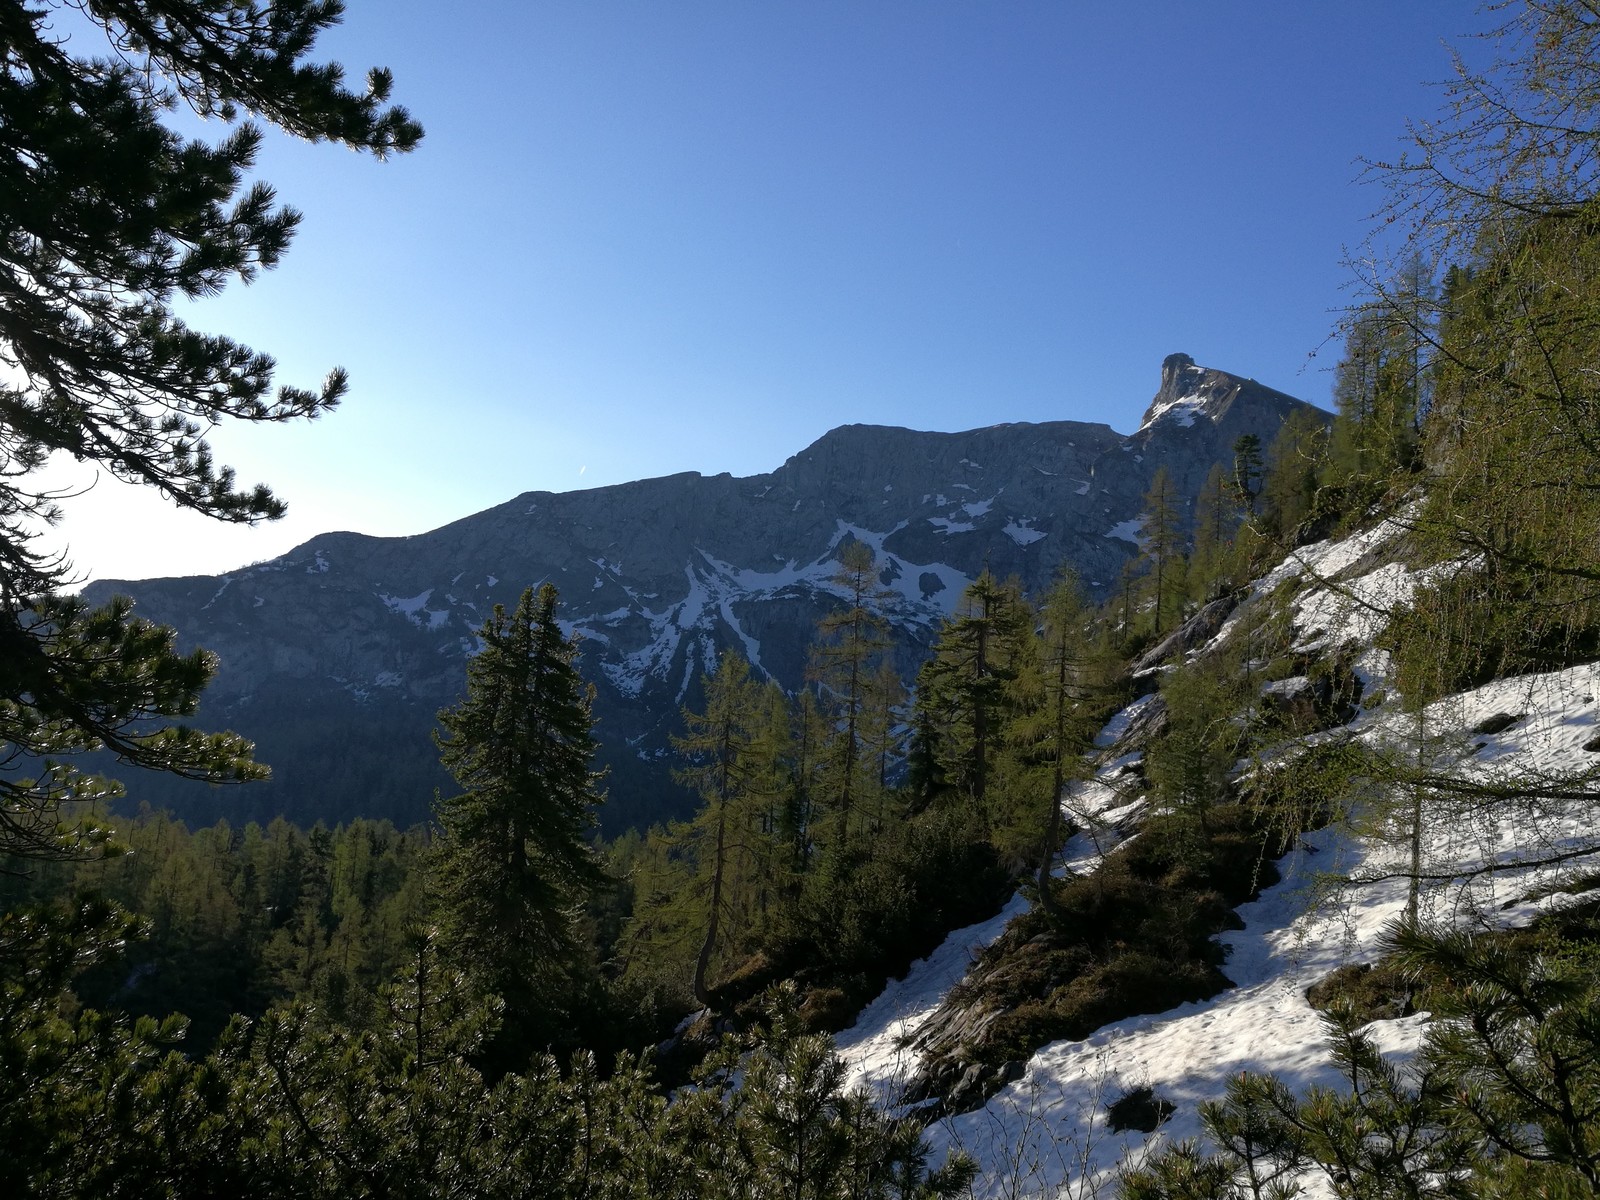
column 1046, row 1130
column 336, row 656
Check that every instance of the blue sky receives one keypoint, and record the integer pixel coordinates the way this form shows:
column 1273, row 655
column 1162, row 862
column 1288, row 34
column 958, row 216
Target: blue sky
column 642, row 238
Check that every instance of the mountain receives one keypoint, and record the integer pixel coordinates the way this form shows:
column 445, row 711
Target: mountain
column 336, row 656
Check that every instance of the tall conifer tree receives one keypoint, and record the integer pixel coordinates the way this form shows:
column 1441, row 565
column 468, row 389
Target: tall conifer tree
column 1163, row 542
column 718, row 746
column 844, row 660
column 515, row 862
column 963, row 691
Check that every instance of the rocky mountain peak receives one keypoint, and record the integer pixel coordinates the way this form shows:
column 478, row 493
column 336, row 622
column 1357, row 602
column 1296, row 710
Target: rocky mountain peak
column 1189, row 391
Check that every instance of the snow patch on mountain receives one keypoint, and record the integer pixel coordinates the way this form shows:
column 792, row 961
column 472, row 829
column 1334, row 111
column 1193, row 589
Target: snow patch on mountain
column 1020, row 530
column 715, row 589
column 1182, row 411
column 415, row 609
column 1127, row 531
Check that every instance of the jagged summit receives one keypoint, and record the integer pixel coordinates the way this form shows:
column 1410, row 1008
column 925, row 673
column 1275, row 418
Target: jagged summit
column 1189, row 391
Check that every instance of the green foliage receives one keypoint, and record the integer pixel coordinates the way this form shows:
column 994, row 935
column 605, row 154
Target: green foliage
column 233, row 921
column 728, row 853
column 850, row 934
column 514, row 862
column 1245, row 480
column 1216, row 520
column 964, row 697
column 801, row 1135
column 296, row 1104
column 846, row 660
column 75, row 679
column 1162, row 549
column 1206, row 734
column 1290, row 491
column 1476, row 625
column 1381, row 390
column 1501, row 203
column 109, row 217
column 1051, row 735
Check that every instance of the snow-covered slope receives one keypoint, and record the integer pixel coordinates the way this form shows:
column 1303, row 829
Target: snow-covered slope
column 1046, row 1132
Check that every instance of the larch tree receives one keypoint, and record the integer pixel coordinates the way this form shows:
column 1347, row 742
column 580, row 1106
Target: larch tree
column 1215, row 517
column 108, row 218
column 515, row 861
column 1058, row 723
column 718, row 747
column 1295, row 465
column 1162, row 547
column 844, row 662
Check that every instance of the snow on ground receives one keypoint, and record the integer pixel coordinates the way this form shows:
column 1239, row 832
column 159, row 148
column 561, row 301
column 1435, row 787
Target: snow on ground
column 1336, row 609
column 1118, row 725
column 1046, row 1134
column 878, row 1049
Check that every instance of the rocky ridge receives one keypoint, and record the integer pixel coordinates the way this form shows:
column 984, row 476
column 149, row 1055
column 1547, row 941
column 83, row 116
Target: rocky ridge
column 336, row 656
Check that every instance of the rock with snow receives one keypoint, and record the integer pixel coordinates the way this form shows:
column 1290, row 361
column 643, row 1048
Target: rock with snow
column 1194, row 632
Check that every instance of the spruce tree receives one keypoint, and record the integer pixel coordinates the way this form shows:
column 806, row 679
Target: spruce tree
column 108, row 218
column 1246, row 480
column 514, row 858
column 963, row 692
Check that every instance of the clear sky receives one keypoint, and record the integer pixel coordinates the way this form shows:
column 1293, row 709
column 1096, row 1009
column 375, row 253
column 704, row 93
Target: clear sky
column 642, row 238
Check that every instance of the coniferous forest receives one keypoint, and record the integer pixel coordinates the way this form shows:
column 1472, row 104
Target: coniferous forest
column 501, row 1003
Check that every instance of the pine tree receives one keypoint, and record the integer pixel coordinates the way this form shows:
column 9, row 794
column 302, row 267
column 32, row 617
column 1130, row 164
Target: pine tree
column 108, row 217
column 514, row 858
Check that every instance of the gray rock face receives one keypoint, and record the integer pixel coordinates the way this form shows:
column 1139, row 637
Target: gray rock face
column 336, row 656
